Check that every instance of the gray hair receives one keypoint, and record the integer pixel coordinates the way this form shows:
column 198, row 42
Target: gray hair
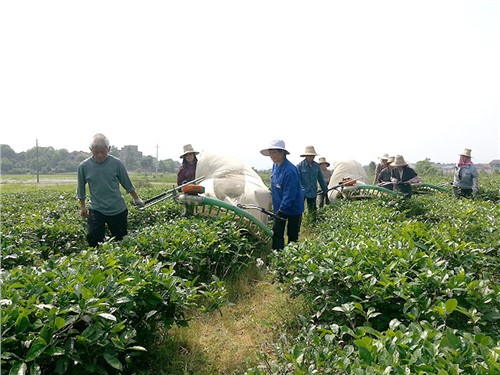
column 99, row 141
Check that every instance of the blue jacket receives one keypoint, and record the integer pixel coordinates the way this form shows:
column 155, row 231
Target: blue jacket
column 310, row 176
column 286, row 190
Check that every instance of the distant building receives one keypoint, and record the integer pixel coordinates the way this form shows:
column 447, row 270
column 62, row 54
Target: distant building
column 449, row 168
column 495, row 164
column 130, row 156
column 485, row 167
column 129, row 149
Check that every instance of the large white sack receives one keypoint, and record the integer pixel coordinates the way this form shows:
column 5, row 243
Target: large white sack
column 229, row 180
column 345, row 169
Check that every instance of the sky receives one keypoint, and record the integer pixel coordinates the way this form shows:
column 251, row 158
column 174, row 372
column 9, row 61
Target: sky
column 355, row 79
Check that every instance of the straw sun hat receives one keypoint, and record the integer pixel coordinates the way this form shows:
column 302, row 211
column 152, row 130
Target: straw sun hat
column 399, row 161
column 466, row 152
column 275, row 144
column 322, row 160
column 309, row 151
column 188, row 149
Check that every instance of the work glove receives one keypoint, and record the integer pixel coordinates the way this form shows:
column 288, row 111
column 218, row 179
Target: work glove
column 138, row 202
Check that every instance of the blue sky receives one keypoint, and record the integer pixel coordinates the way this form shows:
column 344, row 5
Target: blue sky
column 355, row 79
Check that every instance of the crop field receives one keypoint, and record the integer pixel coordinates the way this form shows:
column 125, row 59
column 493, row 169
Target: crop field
column 389, row 285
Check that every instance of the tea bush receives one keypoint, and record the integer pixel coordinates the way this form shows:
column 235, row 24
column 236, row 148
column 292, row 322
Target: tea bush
column 68, row 309
column 396, row 286
column 82, row 314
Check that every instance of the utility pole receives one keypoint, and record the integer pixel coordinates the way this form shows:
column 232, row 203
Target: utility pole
column 37, row 169
column 157, row 161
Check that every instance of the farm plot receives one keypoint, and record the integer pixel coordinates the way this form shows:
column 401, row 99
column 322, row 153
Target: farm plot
column 68, row 309
column 395, row 287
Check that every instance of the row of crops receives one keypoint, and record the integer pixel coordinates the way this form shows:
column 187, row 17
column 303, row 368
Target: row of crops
column 69, row 309
column 393, row 286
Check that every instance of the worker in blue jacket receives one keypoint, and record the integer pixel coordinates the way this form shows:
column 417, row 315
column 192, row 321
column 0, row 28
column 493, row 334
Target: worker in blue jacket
column 287, row 195
column 310, row 177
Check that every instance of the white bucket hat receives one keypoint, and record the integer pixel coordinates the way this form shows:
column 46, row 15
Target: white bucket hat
column 467, row 152
column 188, row 149
column 399, row 161
column 309, row 152
column 384, row 157
column 322, row 160
column 275, row 144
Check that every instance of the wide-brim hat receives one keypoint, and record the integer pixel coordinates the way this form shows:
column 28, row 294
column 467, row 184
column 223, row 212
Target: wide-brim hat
column 309, row 151
column 390, row 159
column 275, row 144
column 384, row 157
column 466, row 152
column 322, row 160
column 188, row 149
column 399, row 161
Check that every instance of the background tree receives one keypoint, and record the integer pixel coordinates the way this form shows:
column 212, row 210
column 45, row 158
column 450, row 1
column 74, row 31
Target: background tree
column 7, row 158
column 371, row 168
column 148, row 163
column 425, row 168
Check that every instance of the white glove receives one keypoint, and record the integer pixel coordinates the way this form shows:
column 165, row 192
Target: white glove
column 138, row 202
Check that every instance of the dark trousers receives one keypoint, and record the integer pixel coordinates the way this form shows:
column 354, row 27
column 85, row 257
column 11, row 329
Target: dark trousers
column 311, row 208
column 292, row 225
column 96, row 226
column 322, row 200
column 459, row 192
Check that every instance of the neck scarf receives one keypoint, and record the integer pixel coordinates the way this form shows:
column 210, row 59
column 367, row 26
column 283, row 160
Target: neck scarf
column 464, row 160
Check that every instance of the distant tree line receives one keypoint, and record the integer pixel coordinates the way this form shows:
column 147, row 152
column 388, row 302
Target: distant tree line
column 47, row 160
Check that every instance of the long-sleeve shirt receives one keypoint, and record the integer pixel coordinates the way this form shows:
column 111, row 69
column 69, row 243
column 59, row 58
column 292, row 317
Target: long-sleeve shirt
column 186, row 173
column 286, row 191
column 104, row 180
column 404, row 176
column 385, row 176
column 310, row 176
column 380, row 167
column 466, row 177
column 327, row 174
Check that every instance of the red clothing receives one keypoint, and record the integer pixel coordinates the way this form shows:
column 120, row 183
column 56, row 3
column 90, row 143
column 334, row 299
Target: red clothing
column 186, row 172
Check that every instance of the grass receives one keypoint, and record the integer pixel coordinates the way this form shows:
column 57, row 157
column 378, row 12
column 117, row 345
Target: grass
column 67, row 181
column 225, row 341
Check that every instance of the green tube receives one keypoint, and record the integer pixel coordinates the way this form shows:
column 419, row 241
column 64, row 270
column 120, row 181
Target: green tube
column 421, row 185
column 254, row 225
column 380, row 189
column 434, row 187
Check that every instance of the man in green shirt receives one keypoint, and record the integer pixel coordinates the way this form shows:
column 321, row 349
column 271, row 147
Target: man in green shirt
column 104, row 174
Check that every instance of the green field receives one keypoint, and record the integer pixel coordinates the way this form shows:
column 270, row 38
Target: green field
column 376, row 286
column 68, row 181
